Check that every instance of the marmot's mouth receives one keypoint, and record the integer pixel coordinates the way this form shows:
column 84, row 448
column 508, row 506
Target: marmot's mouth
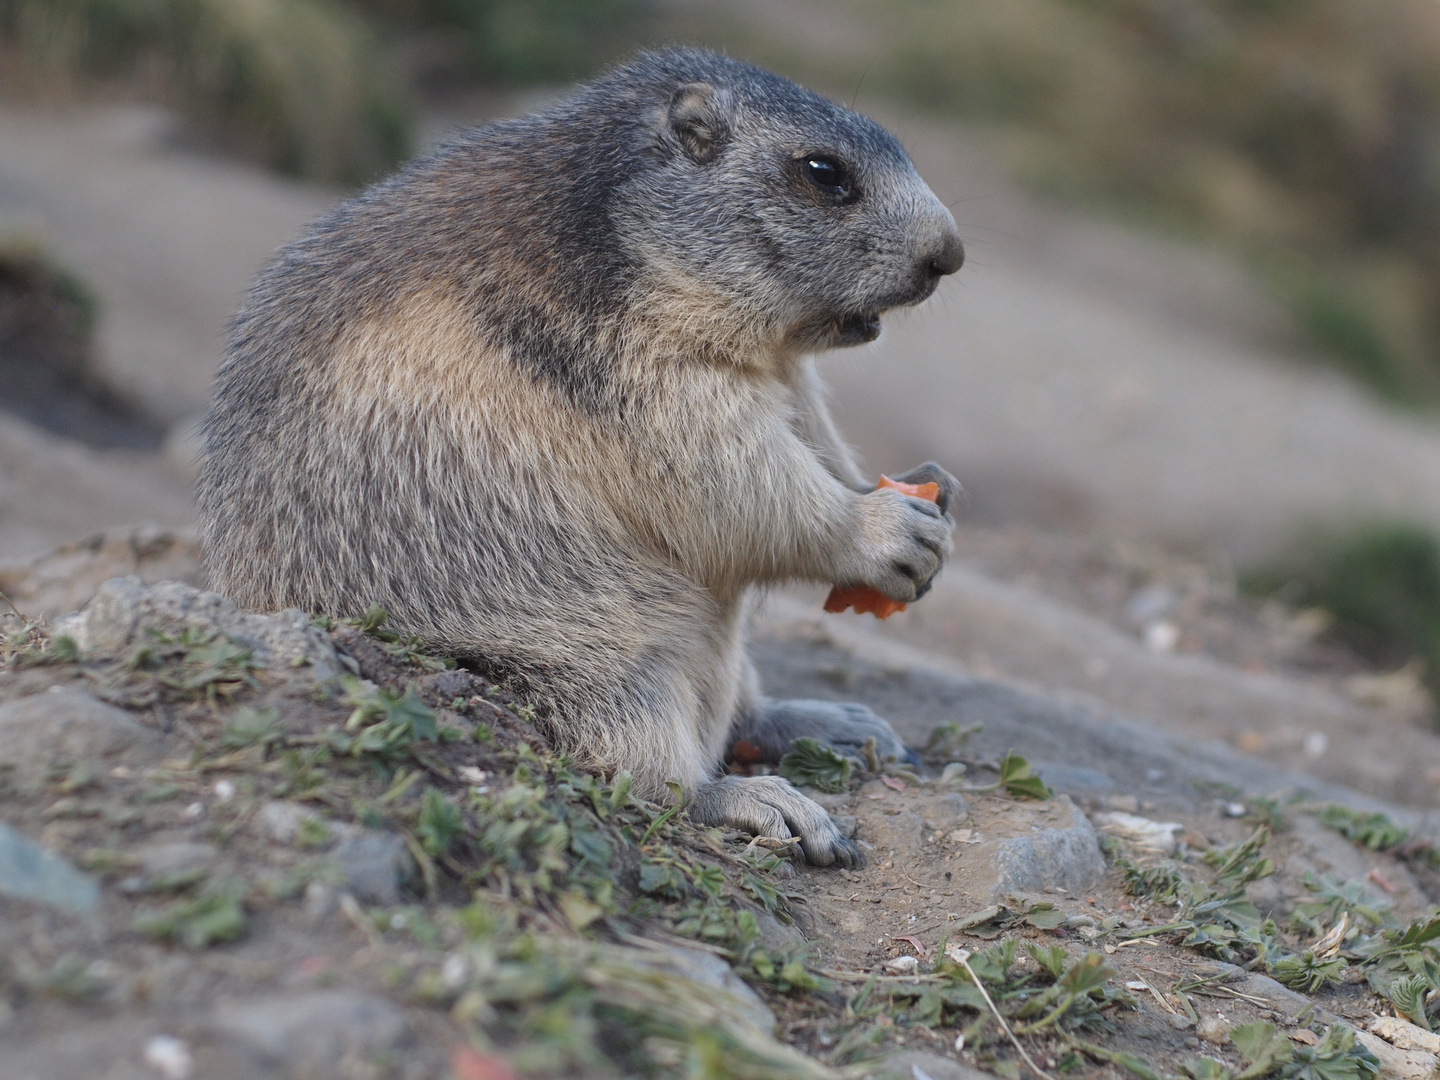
column 857, row 327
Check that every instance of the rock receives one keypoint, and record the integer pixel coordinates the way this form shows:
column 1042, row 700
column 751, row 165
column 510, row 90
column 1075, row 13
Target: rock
column 374, row 865
column 1405, row 1035
column 311, row 1034
column 944, row 812
column 902, row 965
column 169, row 863
column 1067, row 857
column 1395, row 1063
column 31, row 872
column 707, row 969
column 848, row 824
column 169, row 1056
column 1282, row 999
column 1212, row 1029
column 64, row 725
column 282, row 820
column 918, row 1065
column 124, row 609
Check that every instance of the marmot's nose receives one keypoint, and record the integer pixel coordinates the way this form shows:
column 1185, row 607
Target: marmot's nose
column 947, row 256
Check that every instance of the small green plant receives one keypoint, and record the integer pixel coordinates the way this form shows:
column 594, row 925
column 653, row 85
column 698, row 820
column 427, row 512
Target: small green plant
column 1161, row 882
column 440, row 821
column 1306, row 971
column 197, row 662
column 813, row 764
column 1376, row 831
column 252, row 727
column 385, row 723
column 214, row 916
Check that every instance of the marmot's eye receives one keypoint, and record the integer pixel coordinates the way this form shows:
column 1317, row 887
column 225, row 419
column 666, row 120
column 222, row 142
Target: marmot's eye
column 829, row 175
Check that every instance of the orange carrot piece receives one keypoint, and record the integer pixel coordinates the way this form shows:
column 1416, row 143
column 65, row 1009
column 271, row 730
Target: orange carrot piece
column 863, row 598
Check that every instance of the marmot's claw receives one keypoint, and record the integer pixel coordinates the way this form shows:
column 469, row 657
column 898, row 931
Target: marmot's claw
column 930, row 473
column 770, row 806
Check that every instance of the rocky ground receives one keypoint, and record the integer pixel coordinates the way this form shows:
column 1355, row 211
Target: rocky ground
column 252, row 846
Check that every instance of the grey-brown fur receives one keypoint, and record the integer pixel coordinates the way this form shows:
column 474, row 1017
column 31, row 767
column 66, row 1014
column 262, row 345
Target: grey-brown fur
column 546, row 395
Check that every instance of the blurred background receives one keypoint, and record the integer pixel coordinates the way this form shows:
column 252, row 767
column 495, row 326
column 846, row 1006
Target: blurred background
column 1190, row 375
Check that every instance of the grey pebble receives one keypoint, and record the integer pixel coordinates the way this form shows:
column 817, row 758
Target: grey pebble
column 310, row 1034
column 31, row 872
column 1067, row 857
column 63, row 725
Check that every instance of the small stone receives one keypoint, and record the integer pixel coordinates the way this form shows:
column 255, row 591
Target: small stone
column 848, row 824
column 1213, row 1030
column 224, row 790
column 902, row 965
column 1076, row 921
column 1068, row 856
column 169, row 1056
column 946, row 811
column 31, row 872
column 282, row 820
column 1235, row 809
column 310, row 1034
column 455, row 971
column 319, row 900
column 375, row 865
column 64, row 725
column 164, row 860
column 1181, row 1022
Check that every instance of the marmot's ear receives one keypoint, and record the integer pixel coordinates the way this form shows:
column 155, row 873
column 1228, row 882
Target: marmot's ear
column 698, row 120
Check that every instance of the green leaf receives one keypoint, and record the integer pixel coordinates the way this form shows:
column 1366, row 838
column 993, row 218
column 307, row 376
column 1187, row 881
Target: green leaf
column 1044, row 915
column 196, row 924
column 1264, row 1048
column 1374, row 831
column 1408, row 996
column 1306, row 972
column 812, row 764
column 1337, row 1056
column 1018, row 778
column 1050, row 957
column 250, row 726
column 439, row 823
column 663, row 879
column 1087, row 975
column 1205, row 1069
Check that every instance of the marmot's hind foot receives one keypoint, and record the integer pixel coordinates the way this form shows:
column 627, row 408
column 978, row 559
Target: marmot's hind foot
column 773, row 726
column 770, row 806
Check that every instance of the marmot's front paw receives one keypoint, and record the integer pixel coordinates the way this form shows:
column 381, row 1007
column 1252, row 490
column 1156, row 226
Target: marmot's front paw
column 903, row 543
column 771, row 726
column 770, row 806
column 930, row 473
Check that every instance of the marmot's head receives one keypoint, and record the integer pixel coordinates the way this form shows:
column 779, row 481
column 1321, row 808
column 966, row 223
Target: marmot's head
column 807, row 216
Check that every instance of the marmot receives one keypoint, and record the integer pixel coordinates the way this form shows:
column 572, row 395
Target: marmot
column 546, row 395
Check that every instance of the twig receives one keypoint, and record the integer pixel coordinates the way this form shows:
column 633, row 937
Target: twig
column 11, row 605
column 963, row 955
